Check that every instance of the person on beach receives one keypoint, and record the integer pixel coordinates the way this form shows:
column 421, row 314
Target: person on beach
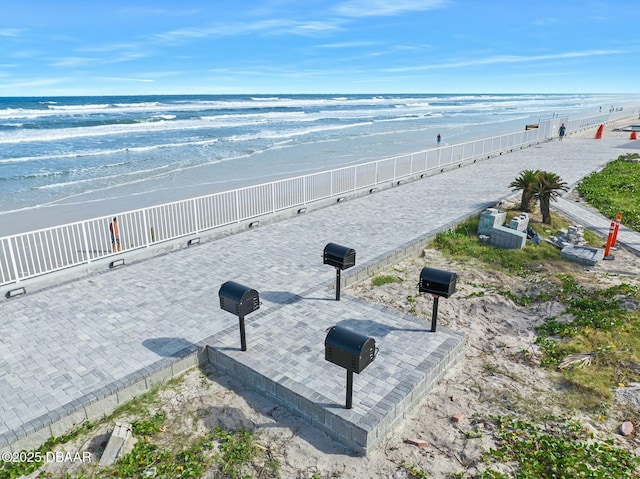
column 439, row 139
column 115, row 235
column 562, row 131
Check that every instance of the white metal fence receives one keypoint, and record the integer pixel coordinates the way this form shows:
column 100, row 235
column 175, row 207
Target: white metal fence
column 27, row 255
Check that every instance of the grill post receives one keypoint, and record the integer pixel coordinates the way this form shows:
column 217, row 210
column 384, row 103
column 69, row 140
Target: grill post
column 438, row 283
column 434, row 314
column 337, row 284
column 349, row 388
column 243, row 338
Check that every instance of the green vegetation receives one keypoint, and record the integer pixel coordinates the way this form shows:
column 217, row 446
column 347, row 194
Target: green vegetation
column 526, row 182
column 35, row 458
column 558, row 449
column 595, row 342
column 593, row 345
column 233, row 454
column 616, row 188
column 385, row 279
column 462, row 243
column 543, row 186
column 412, row 471
column 162, row 449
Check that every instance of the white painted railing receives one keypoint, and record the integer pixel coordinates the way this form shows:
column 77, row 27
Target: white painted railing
column 27, row 255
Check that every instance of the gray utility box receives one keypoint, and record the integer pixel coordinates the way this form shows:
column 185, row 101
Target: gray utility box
column 238, row 299
column 437, row 282
column 339, row 256
column 349, row 349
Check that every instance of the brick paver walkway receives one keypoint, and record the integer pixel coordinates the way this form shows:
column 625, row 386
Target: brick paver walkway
column 65, row 346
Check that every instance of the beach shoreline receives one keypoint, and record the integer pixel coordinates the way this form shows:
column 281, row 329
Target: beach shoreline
column 223, row 150
column 195, row 181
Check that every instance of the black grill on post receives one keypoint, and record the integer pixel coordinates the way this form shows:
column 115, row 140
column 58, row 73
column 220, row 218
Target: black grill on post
column 239, row 300
column 340, row 257
column 350, row 350
column 438, row 283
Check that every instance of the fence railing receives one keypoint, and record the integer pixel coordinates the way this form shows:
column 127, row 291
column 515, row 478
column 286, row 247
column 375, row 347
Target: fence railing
column 36, row 253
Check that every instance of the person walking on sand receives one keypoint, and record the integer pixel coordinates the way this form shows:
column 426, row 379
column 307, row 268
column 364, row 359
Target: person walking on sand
column 115, row 235
column 439, row 139
column 562, row 131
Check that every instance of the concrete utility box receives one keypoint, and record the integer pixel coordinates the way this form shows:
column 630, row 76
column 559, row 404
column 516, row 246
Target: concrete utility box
column 489, row 218
column 520, row 223
column 507, row 238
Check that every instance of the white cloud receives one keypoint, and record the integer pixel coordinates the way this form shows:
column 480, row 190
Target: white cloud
column 45, row 82
column 348, row 45
column 160, row 12
column 135, row 80
column 66, row 62
column 10, row 32
column 505, row 59
column 377, row 8
column 271, row 27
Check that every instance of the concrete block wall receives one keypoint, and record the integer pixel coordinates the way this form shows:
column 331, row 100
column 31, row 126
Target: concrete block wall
column 520, row 223
column 507, row 238
column 490, row 218
column 582, row 254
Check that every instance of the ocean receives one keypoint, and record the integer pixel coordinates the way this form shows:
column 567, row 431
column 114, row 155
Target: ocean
column 65, row 159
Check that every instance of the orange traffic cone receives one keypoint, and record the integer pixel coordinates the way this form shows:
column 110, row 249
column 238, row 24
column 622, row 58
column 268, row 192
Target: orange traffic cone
column 633, row 136
column 599, row 132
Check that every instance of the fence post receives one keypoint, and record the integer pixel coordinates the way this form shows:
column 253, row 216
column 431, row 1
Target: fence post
column 331, row 184
column 13, row 261
column 273, row 197
column 145, row 227
column 237, row 207
column 86, row 242
column 355, row 178
column 195, row 216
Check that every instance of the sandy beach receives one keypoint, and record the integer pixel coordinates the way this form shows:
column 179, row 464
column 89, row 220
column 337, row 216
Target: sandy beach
column 77, row 186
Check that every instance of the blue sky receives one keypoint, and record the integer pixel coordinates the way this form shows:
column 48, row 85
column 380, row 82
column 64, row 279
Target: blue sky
column 96, row 47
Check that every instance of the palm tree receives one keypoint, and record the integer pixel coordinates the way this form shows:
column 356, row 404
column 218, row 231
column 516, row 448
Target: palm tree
column 548, row 187
column 526, row 182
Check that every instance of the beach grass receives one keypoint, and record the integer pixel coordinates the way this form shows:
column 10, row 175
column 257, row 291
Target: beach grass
column 462, row 243
column 616, row 188
column 594, row 326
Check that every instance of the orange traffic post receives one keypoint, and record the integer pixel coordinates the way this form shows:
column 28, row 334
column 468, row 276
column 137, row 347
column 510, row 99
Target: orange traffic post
column 615, row 231
column 599, row 132
column 607, row 249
